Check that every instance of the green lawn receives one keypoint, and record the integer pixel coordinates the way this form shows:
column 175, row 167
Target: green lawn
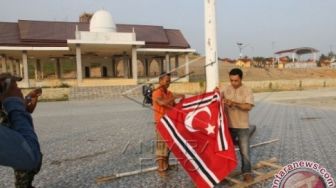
column 49, row 68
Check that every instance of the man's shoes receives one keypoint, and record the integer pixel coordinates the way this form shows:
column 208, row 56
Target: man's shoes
column 248, row 177
column 163, row 174
column 163, row 166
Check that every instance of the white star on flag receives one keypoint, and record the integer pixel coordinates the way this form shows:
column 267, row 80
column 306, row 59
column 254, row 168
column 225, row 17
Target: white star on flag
column 210, row 129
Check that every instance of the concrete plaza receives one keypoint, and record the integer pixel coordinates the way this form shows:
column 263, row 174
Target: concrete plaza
column 82, row 140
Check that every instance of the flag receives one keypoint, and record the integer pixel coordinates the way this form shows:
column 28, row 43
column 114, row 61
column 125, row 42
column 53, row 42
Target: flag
column 196, row 131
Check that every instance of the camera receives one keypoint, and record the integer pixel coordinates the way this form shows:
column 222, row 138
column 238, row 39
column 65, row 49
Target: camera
column 4, row 86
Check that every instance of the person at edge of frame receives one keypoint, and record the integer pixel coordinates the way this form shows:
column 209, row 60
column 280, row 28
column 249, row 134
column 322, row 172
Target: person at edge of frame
column 19, row 146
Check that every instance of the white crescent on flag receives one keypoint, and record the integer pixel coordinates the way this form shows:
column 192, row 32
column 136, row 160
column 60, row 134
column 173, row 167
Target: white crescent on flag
column 190, row 117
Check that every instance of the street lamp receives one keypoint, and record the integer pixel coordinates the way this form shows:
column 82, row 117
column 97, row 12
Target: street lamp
column 240, row 46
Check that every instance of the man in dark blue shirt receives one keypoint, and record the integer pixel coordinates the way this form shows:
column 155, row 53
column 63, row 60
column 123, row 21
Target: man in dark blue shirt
column 19, row 146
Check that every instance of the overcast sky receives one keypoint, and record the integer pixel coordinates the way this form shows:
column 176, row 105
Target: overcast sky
column 265, row 25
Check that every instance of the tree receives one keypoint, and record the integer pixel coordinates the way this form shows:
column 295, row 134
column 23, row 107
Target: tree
column 331, row 55
column 323, row 57
column 259, row 62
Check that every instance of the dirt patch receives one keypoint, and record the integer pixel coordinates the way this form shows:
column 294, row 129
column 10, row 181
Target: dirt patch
column 310, row 118
column 259, row 74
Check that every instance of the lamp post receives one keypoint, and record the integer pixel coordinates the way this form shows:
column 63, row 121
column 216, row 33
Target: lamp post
column 211, row 60
column 273, row 48
column 241, row 47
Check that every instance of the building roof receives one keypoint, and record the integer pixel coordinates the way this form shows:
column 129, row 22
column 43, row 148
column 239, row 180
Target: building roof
column 46, row 31
column 176, row 39
column 54, row 33
column 299, row 51
column 148, row 33
column 9, row 33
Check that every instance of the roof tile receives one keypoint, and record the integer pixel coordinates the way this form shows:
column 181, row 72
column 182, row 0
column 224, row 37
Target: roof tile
column 53, row 33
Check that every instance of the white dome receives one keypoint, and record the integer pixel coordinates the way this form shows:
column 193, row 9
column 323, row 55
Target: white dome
column 102, row 21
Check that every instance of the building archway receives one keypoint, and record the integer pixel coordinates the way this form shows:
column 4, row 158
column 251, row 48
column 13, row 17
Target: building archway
column 120, row 68
column 87, row 72
column 141, row 69
column 104, row 72
column 154, row 68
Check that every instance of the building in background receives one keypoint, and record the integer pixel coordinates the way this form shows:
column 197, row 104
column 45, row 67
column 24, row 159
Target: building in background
column 296, row 58
column 94, row 51
column 244, row 62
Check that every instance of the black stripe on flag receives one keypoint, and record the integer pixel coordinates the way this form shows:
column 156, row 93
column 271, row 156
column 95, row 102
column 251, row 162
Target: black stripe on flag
column 221, row 129
column 221, row 139
column 189, row 152
column 199, row 103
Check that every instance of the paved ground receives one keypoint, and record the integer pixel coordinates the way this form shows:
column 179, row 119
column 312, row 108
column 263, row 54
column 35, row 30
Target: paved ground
column 85, row 139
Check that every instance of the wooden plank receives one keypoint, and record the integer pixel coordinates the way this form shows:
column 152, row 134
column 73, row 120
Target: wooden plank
column 270, row 164
column 261, row 144
column 258, row 173
column 260, row 176
column 260, row 165
column 124, row 174
column 104, row 179
column 236, row 181
column 256, row 180
column 255, row 167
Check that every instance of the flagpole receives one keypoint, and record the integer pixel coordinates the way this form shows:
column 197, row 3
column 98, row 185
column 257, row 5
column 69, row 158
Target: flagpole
column 211, row 62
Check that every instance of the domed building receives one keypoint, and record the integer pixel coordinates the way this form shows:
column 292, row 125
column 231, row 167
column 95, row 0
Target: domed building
column 102, row 22
column 94, row 51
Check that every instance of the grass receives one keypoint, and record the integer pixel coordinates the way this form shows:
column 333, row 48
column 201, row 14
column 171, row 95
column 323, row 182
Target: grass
column 62, row 85
column 49, row 67
column 55, row 99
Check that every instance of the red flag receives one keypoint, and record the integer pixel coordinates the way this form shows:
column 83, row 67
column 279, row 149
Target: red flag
column 196, row 131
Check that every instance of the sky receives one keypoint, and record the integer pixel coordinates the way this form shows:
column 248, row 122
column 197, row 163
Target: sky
column 264, row 26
